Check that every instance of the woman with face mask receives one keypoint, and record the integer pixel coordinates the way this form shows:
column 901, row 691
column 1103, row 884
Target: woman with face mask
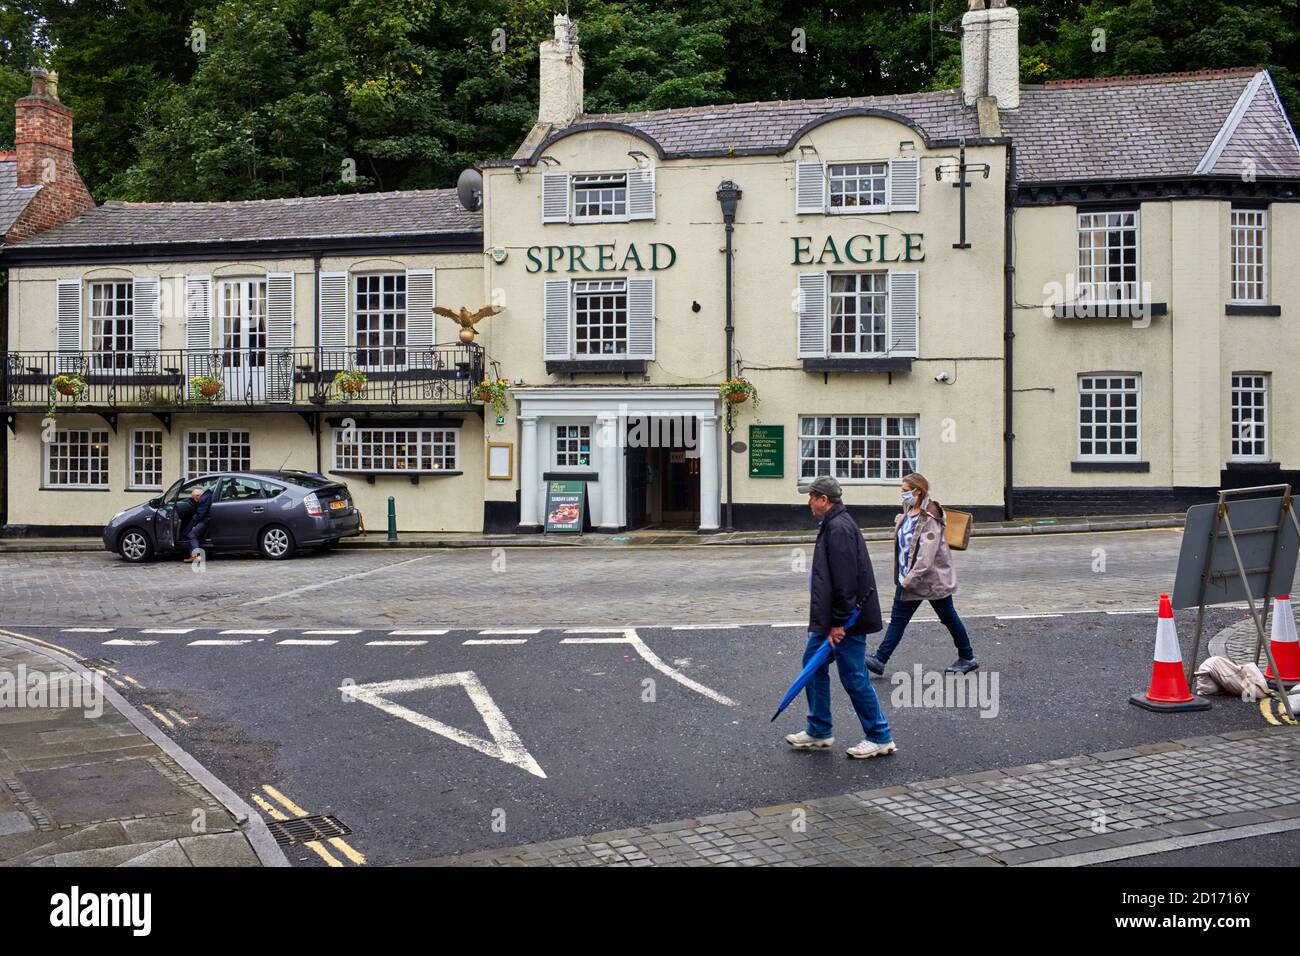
column 922, row 572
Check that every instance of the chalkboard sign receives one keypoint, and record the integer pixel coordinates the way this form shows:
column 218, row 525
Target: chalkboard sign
column 566, row 502
column 767, row 451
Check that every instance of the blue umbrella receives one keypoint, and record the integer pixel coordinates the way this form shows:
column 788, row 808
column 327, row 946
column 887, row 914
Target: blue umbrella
column 817, row 660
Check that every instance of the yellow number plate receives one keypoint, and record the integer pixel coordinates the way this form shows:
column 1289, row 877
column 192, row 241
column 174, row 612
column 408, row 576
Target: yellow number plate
column 338, row 504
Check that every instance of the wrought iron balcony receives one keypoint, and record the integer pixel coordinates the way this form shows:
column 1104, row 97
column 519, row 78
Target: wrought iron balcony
column 442, row 377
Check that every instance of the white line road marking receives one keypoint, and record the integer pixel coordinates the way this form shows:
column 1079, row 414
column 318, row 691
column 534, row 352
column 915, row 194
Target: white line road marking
column 505, row 744
column 702, row 627
column 332, row 582
column 396, row 643
column 594, row 640
column 512, row 630
column 792, row 624
column 519, row 640
column 302, row 643
column 630, row 636
column 1143, row 611
column 122, row 642
column 217, row 643
column 1024, row 617
column 89, row 630
column 250, row 630
column 357, row 631
column 166, row 630
column 434, row 632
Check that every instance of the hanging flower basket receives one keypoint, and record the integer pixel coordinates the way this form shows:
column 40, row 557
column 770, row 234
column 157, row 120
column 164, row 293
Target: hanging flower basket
column 493, row 392
column 69, row 386
column 350, row 382
column 737, row 391
column 206, row 386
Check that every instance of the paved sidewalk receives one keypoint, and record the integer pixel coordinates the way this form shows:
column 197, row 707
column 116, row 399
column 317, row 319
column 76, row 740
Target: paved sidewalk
column 377, row 540
column 95, row 784
column 1071, row 812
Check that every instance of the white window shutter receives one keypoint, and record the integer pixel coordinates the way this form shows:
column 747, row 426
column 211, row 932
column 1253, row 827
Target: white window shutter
column 641, row 193
column 904, row 312
column 279, row 336
column 334, row 320
column 812, row 315
column 641, row 318
column 809, row 186
column 904, row 184
column 555, row 197
column 198, row 325
column 146, row 323
column 419, row 316
column 555, row 320
column 68, row 336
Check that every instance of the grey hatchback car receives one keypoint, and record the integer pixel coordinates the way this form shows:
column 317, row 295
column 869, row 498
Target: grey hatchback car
column 274, row 512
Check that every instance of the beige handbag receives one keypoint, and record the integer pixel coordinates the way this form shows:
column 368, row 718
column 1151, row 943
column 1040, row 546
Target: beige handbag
column 956, row 528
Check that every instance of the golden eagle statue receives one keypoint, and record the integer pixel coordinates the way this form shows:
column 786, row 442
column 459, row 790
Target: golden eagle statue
column 466, row 319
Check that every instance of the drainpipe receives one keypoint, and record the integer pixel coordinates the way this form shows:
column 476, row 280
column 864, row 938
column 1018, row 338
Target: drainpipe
column 1008, row 338
column 728, row 197
column 316, row 344
column 4, row 391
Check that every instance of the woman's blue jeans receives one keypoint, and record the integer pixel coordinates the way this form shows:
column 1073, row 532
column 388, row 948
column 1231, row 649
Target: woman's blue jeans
column 901, row 614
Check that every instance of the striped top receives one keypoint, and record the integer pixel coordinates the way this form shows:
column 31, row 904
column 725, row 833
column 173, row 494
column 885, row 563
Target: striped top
column 905, row 531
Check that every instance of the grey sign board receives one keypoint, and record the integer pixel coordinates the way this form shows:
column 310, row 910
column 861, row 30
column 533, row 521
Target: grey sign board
column 1255, row 524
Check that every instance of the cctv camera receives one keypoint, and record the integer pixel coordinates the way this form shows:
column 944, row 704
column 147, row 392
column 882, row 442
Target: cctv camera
column 518, row 169
column 941, row 377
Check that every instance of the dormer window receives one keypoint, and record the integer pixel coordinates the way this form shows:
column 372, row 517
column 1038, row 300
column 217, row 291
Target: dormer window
column 858, row 187
column 600, row 197
column 617, row 196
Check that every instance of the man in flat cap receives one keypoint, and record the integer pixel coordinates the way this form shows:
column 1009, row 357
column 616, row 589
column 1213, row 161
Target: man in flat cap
column 845, row 608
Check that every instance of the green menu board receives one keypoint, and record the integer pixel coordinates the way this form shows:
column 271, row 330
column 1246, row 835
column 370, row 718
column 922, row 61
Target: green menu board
column 565, row 501
column 767, row 451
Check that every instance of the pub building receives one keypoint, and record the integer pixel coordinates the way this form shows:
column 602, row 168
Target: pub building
column 1052, row 300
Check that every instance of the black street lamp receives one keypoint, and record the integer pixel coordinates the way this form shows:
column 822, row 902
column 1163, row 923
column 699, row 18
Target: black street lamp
column 728, row 197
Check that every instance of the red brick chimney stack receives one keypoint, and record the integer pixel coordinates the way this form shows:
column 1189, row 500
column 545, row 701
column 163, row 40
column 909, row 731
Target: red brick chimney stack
column 43, row 148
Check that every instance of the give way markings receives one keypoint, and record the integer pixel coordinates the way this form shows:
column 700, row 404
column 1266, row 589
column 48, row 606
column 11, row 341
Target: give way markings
column 505, row 744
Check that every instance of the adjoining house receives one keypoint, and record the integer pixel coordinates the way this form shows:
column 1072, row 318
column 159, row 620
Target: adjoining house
column 1058, row 299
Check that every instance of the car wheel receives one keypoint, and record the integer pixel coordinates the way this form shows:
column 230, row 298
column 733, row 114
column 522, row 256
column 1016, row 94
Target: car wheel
column 135, row 546
column 276, row 543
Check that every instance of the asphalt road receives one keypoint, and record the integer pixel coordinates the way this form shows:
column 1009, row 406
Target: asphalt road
column 615, row 750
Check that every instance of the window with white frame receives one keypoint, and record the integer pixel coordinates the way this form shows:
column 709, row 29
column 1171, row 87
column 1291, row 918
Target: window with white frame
column 77, row 458
column 1108, row 257
column 572, row 446
column 1110, row 416
column 217, row 450
column 855, row 187
column 600, row 317
column 144, row 460
column 858, row 313
column 601, row 196
column 857, row 447
column 1249, row 252
column 1249, row 416
column 381, row 320
column 112, row 338
column 401, row 450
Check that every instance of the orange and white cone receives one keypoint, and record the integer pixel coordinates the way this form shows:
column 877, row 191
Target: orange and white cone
column 1283, row 643
column 1168, row 690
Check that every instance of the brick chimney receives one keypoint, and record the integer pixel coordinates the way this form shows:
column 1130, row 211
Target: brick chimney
column 560, row 97
column 43, row 151
column 990, row 54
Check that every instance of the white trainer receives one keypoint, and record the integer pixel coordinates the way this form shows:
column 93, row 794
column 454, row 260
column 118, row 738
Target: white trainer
column 867, row 749
column 802, row 741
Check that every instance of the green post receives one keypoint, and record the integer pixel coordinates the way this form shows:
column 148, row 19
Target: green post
column 392, row 519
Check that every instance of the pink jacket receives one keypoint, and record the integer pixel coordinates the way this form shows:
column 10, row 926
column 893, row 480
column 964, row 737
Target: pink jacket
column 930, row 574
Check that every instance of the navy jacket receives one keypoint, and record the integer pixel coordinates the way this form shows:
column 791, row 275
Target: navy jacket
column 842, row 578
column 199, row 520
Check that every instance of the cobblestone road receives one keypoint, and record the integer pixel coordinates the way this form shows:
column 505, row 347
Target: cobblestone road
column 596, row 586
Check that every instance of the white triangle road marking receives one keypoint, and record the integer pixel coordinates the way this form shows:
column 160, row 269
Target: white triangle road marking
column 505, row 744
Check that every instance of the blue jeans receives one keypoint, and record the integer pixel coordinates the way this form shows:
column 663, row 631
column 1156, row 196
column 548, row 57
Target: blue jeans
column 901, row 614
column 851, row 659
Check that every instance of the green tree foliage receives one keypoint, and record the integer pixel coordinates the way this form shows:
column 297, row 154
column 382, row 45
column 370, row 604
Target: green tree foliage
column 290, row 97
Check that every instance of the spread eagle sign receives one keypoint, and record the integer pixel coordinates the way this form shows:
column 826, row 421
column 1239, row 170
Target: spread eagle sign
column 817, row 660
column 466, row 319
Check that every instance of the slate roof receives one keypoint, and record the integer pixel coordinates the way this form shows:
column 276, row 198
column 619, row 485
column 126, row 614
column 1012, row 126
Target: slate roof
column 410, row 213
column 13, row 198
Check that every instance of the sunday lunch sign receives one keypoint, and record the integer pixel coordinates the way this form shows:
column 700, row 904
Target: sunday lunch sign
column 565, row 503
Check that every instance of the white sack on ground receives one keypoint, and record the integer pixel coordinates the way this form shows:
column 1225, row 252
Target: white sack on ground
column 1218, row 675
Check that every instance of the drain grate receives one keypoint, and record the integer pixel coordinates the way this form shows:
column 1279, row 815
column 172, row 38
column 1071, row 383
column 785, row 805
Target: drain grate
column 307, row 829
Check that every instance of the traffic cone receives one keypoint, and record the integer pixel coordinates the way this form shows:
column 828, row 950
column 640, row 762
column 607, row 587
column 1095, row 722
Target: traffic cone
column 1283, row 642
column 1168, row 691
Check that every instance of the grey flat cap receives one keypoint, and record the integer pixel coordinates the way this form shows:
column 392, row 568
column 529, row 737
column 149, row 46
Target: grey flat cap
column 822, row 485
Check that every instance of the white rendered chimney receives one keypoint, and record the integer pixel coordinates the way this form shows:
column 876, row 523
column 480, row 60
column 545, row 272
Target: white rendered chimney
column 560, row 99
column 990, row 54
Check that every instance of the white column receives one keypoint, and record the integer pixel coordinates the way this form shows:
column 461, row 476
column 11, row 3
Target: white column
column 528, row 471
column 708, row 473
column 611, row 460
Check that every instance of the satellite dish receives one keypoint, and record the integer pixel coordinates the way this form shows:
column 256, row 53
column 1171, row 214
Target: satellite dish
column 469, row 188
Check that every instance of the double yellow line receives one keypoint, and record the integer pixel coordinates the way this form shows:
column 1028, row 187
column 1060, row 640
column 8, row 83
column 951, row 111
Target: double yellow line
column 275, row 813
column 1268, row 706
